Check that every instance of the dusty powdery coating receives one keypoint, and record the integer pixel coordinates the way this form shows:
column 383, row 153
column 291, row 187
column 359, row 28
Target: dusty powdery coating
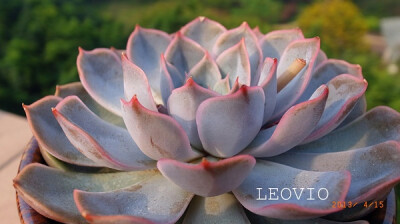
column 212, row 115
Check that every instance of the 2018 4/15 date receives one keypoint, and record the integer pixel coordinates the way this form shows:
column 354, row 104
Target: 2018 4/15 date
column 350, row 204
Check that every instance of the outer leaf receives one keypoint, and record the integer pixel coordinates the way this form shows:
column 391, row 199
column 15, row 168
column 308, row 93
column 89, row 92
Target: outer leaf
column 104, row 143
column 49, row 134
column 204, row 31
column 378, row 125
column 264, row 176
column 344, row 92
column 183, row 104
column 223, row 209
column 227, row 124
column 100, row 72
column 157, row 135
column 296, row 124
column 328, row 70
column 274, row 43
column 208, row 179
column 156, row 200
column 52, row 195
column 76, row 89
column 375, row 170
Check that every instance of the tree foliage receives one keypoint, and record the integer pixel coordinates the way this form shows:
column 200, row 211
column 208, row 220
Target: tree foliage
column 339, row 23
column 40, row 40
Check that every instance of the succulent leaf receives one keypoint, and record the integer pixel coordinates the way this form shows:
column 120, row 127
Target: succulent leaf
column 268, row 83
column 49, row 134
column 206, row 72
column 184, row 53
column 100, row 72
column 204, row 31
column 275, row 42
column 374, row 169
column 296, row 124
column 144, row 49
column 136, row 84
column 264, row 174
column 76, row 89
column 223, row 208
column 52, row 195
column 344, row 92
column 232, row 37
column 378, row 125
column 183, row 104
column 307, row 49
column 235, row 62
column 156, row 200
column 227, row 124
column 157, row 135
column 104, row 143
column 208, row 179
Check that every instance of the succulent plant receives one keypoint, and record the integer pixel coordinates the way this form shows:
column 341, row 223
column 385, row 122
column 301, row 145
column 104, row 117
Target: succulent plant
column 209, row 125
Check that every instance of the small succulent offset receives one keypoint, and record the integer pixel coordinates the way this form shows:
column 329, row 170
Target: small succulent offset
column 209, row 125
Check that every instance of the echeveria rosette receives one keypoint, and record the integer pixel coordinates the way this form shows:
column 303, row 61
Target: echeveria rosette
column 187, row 126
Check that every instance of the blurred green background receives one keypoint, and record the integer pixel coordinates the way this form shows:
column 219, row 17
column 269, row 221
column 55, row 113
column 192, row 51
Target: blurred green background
column 39, row 39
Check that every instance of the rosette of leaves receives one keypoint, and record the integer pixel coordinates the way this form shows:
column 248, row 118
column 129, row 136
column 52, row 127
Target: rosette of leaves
column 185, row 127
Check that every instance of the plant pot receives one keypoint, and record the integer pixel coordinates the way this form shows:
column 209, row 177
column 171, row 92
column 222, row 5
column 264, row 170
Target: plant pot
column 386, row 215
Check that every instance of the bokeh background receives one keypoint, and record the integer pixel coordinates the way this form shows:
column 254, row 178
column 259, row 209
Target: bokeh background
column 39, row 39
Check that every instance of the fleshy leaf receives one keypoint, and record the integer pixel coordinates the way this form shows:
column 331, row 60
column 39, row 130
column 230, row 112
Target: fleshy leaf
column 264, row 177
column 378, row 125
column 208, row 179
column 136, row 84
column 344, row 92
column 144, row 49
column 167, row 84
column 206, row 72
column 235, row 62
column 183, row 104
column 104, row 143
column 274, row 43
column 52, row 194
column 76, row 89
column 258, row 33
column 222, row 86
column 232, row 37
column 374, row 169
column 359, row 109
column 204, row 31
column 155, row 200
column 49, row 134
column 157, row 135
column 307, row 49
column 220, row 209
column 328, row 70
column 320, row 59
column 100, row 72
column 296, row 124
column 227, row 124
column 178, row 79
column 268, row 83
column 184, row 53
